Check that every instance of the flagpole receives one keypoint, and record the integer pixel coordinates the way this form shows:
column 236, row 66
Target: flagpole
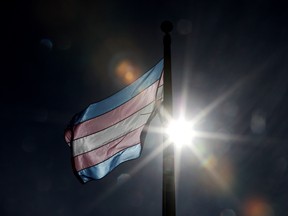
column 168, row 184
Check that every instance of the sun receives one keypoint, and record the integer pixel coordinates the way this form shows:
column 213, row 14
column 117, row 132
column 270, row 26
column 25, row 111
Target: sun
column 180, row 132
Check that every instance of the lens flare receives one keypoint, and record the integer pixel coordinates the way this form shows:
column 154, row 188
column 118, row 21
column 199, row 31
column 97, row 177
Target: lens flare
column 257, row 206
column 127, row 71
column 180, row 132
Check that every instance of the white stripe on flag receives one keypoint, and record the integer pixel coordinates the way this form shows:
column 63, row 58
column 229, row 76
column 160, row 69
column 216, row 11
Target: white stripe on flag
column 100, row 170
column 99, row 139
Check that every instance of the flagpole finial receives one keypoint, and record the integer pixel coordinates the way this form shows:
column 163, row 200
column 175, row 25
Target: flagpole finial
column 166, row 26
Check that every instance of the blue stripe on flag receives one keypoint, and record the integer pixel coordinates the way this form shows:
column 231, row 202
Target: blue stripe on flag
column 122, row 96
column 100, row 170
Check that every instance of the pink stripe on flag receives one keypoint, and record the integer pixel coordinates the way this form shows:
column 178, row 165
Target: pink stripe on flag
column 104, row 152
column 108, row 119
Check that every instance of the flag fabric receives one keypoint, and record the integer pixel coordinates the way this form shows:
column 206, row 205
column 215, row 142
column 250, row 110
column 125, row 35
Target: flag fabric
column 107, row 133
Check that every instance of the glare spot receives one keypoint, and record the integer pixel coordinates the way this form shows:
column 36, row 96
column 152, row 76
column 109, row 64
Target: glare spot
column 129, row 76
column 127, row 72
column 46, row 43
column 180, row 132
column 123, row 178
column 258, row 123
column 184, row 26
column 210, row 162
column 228, row 212
column 257, row 207
column 221, row 169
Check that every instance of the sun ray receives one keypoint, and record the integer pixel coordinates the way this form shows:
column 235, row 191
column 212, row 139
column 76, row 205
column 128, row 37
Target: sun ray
column 207, row 162
column 236, row 138
column 207, row 110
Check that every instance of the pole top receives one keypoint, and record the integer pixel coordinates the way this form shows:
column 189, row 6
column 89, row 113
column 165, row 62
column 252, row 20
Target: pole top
column 166, row 26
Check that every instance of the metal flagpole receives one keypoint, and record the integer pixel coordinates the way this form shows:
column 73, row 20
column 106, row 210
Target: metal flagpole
column 168, row 191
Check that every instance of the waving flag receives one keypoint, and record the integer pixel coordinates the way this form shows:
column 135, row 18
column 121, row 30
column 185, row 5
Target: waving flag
column 107, row 133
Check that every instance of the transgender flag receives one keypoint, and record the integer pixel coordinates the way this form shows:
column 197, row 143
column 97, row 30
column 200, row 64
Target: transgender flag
column 107, row 133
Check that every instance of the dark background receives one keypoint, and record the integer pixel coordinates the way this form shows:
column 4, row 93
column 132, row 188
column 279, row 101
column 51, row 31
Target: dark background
column 229, row 65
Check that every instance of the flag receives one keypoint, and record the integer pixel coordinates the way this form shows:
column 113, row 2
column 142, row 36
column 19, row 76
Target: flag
column 107, row 133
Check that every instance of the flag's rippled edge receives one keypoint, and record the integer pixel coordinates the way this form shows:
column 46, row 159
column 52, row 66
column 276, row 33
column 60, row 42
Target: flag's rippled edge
column 107, row 133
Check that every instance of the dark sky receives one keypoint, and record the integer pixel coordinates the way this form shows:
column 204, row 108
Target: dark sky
column 229, row 65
